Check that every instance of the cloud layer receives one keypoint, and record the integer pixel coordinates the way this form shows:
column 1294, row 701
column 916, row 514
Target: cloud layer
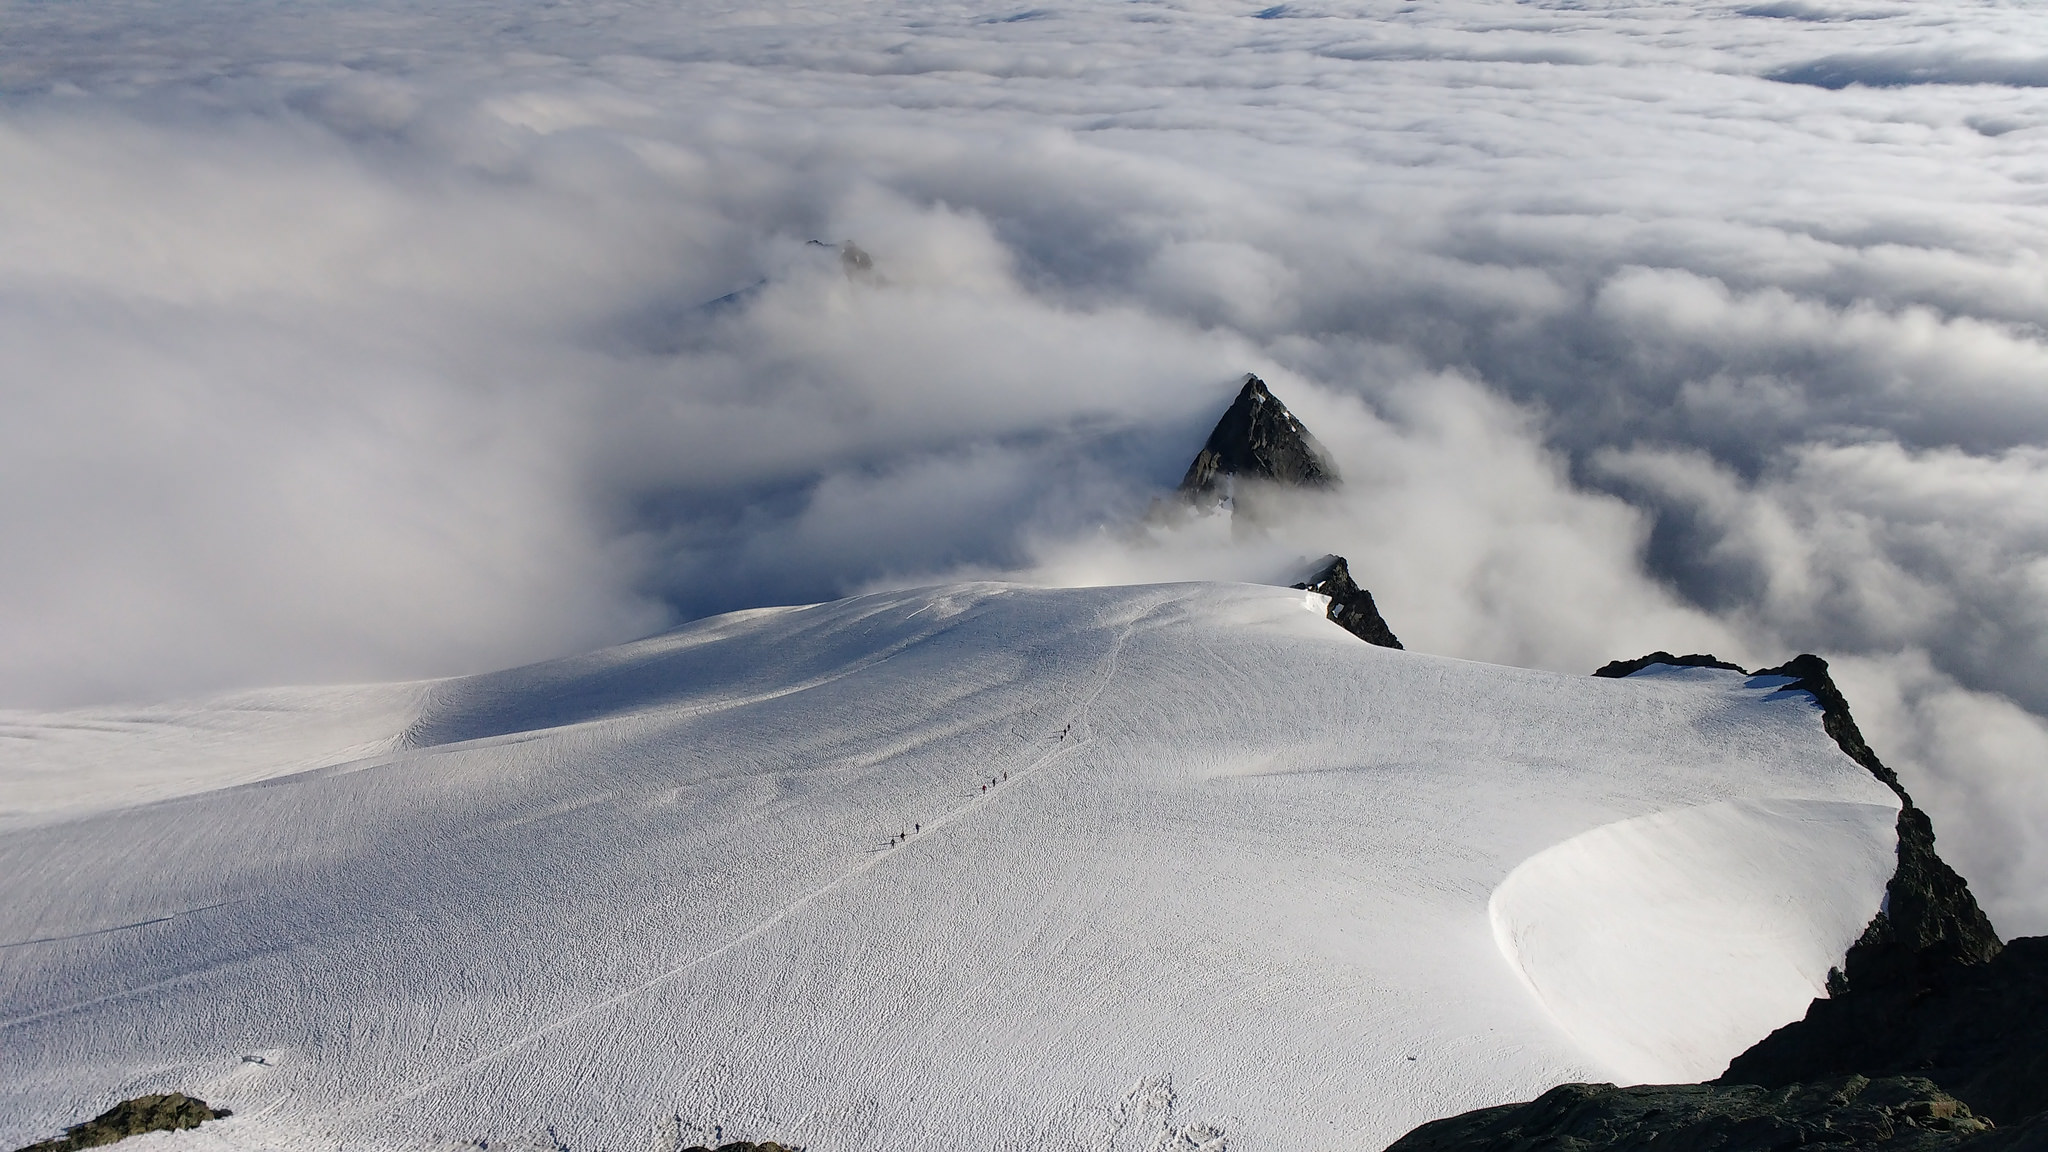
column 399, row 340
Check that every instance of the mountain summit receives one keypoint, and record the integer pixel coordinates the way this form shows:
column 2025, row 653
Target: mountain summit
column 1258, row 437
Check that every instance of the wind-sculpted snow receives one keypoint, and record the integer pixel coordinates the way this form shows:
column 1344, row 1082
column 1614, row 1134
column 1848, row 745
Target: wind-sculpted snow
column 1606, row 926
column 1185, row 866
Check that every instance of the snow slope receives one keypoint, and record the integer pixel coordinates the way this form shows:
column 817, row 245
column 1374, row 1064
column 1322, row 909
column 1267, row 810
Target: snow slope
column 67, row 764
column 1249, row 881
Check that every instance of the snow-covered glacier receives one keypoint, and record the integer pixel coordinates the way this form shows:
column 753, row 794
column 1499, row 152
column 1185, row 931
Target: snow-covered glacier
column 974, row 867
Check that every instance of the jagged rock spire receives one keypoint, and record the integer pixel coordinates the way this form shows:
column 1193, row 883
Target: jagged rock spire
column 1351, row 607
column 1258, row 438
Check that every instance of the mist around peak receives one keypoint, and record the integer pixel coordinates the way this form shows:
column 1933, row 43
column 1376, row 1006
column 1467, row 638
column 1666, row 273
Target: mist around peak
column 388, row 341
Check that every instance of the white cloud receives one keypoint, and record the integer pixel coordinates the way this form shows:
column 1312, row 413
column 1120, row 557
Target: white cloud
column 394, row 340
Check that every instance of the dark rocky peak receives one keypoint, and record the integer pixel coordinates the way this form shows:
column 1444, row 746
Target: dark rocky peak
column 1258, row 438
column 853, row 259
column 1351, row 607
column 1928, row 912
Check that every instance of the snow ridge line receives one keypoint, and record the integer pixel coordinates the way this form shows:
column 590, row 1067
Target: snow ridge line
column 1076, row 715
column 410, row 739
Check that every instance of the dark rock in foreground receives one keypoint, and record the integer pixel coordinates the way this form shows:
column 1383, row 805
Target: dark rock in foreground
column 1351, row 607
column 1929, row 919
column 1978, row 1030
column 1258, row 438
column 744, row 1146
column 166, row 1113
column 1901, row 1114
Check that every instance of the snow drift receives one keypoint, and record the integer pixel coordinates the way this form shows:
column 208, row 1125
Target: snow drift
column 1607, row 926
column 1185, row 866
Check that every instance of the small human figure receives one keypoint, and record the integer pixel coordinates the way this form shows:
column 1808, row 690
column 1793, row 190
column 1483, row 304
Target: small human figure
column 917, row 827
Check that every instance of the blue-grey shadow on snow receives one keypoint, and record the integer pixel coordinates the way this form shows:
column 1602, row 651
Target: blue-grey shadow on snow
column 704, row 667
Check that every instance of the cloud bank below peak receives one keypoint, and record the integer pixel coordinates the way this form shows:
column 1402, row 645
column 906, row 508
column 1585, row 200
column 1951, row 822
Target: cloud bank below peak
column 401, row 340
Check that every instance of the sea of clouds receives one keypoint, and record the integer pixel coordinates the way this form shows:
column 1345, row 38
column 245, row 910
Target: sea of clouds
column 393, row 339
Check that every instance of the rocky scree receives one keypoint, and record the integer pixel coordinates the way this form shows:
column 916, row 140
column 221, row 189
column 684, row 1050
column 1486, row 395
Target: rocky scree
column 169, row 1112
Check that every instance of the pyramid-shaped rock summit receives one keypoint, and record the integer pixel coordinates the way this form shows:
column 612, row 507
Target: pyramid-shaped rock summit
column 1258, row 437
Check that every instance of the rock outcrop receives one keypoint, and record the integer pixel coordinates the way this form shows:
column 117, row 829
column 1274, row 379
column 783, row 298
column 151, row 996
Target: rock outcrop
column 1980, row 1031
column 1620, row 668
column 1351, row 607
column 1809, row 674
column 1257, row 439
column 1900, row 1114
column 1929, row 917
column 169, row 1112
column 1932, row 1033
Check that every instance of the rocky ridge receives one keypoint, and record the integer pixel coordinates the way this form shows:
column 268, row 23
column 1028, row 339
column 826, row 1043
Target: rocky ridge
column 1929, row 915
column 1933, row 1034
column 1980, row 1030
column 1620, row 668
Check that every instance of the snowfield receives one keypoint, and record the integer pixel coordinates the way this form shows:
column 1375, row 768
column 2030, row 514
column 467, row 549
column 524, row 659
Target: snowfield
column 1241, row 879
